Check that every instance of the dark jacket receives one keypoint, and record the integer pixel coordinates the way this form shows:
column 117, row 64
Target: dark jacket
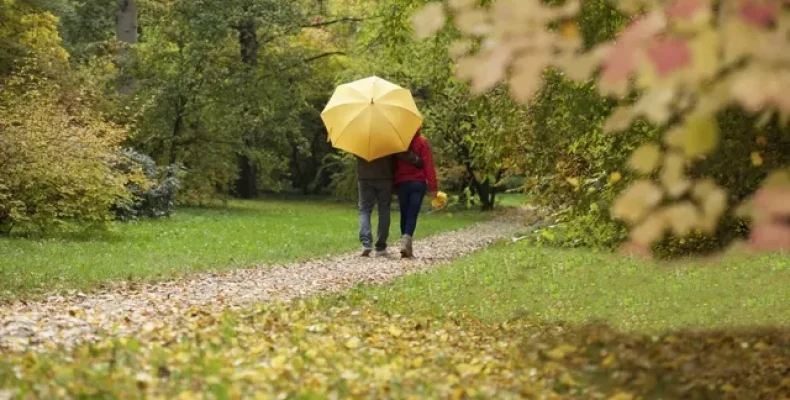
column 384, row 168
column 378, row 169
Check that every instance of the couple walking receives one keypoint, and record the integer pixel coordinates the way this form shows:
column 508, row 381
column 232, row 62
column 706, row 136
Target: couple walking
column 411, row 175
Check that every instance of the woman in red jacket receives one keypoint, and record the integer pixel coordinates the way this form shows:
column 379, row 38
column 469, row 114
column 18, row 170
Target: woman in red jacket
column 412, row 182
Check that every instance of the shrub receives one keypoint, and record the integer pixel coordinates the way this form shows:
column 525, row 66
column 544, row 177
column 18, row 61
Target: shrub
column 56, row 160
column 344, row 179
column 154, row 198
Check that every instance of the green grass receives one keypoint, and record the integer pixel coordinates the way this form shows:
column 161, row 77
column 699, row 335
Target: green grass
column 196, row 239
column 512, row 199
column 580, row 286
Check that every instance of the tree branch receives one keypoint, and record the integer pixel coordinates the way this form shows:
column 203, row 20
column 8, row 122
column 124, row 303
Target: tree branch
column 323, row 55
column 332, row 22
column 293, row 30
column 303, row 61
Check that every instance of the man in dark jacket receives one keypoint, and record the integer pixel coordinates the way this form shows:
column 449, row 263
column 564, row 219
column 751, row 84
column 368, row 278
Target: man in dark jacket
column 375, row 188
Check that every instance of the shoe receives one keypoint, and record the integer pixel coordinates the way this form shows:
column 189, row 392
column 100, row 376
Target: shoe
column 405, row 247
column 382, row 253
column 366, row 252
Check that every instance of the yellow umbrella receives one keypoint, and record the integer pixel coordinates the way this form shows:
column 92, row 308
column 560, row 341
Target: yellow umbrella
column 371, row 118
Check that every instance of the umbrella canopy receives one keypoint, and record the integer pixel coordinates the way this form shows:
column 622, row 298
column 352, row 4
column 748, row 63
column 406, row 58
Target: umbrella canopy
column 371, row 118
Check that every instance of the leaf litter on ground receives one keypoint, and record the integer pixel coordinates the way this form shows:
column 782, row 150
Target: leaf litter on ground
column 308, row 349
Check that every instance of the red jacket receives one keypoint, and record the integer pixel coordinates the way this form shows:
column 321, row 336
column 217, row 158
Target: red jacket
column 407, row 172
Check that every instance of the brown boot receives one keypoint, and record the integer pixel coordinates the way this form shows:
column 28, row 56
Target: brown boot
column 406, row 247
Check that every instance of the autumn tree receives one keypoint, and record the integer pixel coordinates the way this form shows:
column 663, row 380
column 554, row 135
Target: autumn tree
column 222, row 89
column 57, row 153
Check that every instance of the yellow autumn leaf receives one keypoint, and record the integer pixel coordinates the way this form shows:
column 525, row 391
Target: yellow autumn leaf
column 672, row 175
column 573, row 181
column 757, row 159
column 620, row 119
column 622, row 396
column 645, row 159
column 459, row 5
column 705, row 51
column 636, row 201
column 465, row 369
column 382, row 373
column 459, row 48
column 609, row 360
column 278, row 361
column 715, row 203
column 569, row 30
column 615, row 177
column 187, row 395
column 353, row 343
column 395, row 331
column 778, row 178
column 473, row 21
column 674, row 138
column 561, row 351
column 649, row 231
column 682, row 217
column 703, row 188
column 701, row 135
column 568, row 380
column 739, row 39
column 527, row 77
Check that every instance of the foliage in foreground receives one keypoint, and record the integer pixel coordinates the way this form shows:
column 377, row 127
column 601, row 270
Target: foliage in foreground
column 303, row 351
column 678, row 64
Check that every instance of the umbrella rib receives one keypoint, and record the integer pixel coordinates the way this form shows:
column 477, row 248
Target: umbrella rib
column 370, row 126
column 358, row 91
column 396, row 131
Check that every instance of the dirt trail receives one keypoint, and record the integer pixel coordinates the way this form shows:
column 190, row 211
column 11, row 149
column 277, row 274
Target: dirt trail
column 123, row 310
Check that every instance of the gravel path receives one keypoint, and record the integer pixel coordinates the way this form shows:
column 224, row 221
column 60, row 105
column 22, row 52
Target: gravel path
column 124, row 310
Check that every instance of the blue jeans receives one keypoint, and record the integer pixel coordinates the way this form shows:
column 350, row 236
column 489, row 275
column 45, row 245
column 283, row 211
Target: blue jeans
column 410, row 197
column 372, row 193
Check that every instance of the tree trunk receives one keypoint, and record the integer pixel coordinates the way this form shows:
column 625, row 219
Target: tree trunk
column 177, row 127
column 248, row 41
column 247, row 184
column 126, row 21
column 126, row 32
column 486, row 194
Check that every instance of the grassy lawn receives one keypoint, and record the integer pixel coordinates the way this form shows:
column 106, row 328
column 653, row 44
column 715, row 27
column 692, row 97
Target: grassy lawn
column 512, row 199
column 195, row 239
column 449, row 333
column 580, row 286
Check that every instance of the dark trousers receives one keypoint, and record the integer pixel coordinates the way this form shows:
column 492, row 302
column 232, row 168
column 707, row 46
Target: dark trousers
column 371, row 193
column 410, row 197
